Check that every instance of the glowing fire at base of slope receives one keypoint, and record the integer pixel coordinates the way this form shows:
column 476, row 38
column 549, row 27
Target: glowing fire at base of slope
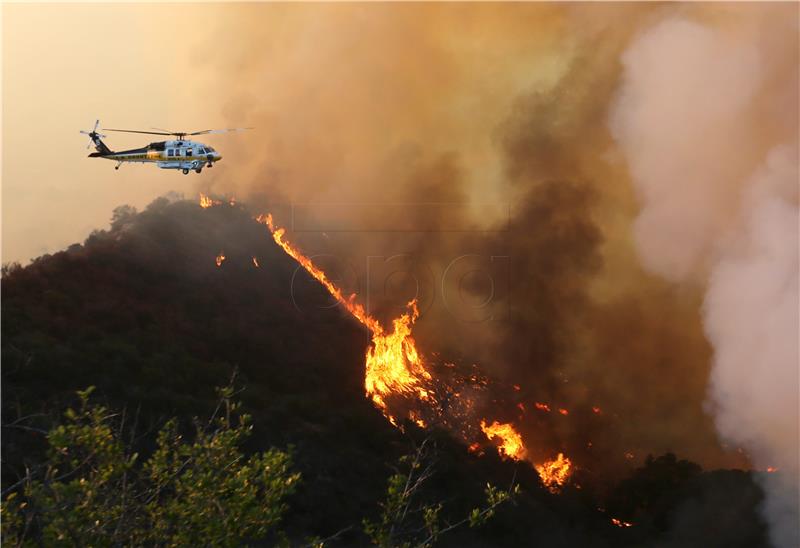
column 554, row 473
column 509, row 440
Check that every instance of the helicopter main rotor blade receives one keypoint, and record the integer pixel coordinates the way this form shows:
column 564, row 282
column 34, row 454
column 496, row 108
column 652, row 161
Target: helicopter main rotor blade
column 205, row 131
column 179, row 134
column 135, row 131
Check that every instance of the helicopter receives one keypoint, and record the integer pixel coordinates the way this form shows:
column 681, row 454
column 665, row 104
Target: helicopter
column 178, row 153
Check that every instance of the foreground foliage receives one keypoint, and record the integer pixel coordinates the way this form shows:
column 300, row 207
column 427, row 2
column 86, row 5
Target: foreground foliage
column 202, row 491
column 94, row 490
column 405, row 522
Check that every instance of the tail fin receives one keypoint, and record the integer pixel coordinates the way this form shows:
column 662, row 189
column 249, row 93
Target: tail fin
column 99, row 145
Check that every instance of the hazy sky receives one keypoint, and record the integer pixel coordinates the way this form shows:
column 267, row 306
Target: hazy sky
column 65, row 66
column 301, row 72
column 332, row 113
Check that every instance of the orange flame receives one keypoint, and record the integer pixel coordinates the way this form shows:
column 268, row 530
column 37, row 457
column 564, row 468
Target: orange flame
column 620, row 523
column 563, row 411
column 554, row 473
column 393, row 364
column 220, row 258
column 509, row 439
column 417, row 420
column 205, row 201
column 348, row 302
column 395, row 367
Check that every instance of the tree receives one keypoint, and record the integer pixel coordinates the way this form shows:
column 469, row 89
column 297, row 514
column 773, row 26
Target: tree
column 405, row 523
column 122, row 215
column 94, row 491
column 9, row 268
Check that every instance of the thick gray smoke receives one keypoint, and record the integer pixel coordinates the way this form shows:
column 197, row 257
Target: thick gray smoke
column 467, row 106
column 435, row 132
column 707, row 119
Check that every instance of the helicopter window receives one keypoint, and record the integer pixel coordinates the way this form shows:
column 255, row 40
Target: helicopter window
column 210, row 149
column 201, row 151
column 188, row 152
column 171, row 152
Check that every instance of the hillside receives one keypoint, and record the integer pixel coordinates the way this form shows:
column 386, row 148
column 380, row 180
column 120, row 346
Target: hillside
column 144, row 312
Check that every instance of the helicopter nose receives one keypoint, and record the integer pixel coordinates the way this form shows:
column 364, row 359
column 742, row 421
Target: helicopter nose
column 218, row 156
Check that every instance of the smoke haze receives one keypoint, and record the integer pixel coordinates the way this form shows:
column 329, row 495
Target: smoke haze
column 621, row 177
column 466, row 105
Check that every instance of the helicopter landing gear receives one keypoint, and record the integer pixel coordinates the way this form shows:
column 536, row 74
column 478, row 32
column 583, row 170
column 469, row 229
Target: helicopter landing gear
column 118, row 164
column 209, row 164
column 198, row 170
column 185, row 171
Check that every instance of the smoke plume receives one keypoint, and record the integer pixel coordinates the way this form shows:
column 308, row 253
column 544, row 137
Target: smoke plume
column 707, row 120
column 625, row 257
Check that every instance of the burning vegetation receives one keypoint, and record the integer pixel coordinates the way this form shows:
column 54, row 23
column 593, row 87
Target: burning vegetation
column 398, row 379
column 509, row 440
column 175, row 327
column 554, row 473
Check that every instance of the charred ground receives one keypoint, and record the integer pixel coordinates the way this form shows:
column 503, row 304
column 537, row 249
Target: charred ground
column 143, row 312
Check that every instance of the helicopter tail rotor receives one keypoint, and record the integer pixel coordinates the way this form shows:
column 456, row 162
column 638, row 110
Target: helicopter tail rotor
column 94, row 137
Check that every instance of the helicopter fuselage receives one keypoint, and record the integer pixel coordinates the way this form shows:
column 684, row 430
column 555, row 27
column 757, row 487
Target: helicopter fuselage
column 177, row 154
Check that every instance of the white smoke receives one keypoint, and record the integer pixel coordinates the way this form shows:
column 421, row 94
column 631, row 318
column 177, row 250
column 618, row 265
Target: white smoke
column 751, row 318
column 707, row 120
